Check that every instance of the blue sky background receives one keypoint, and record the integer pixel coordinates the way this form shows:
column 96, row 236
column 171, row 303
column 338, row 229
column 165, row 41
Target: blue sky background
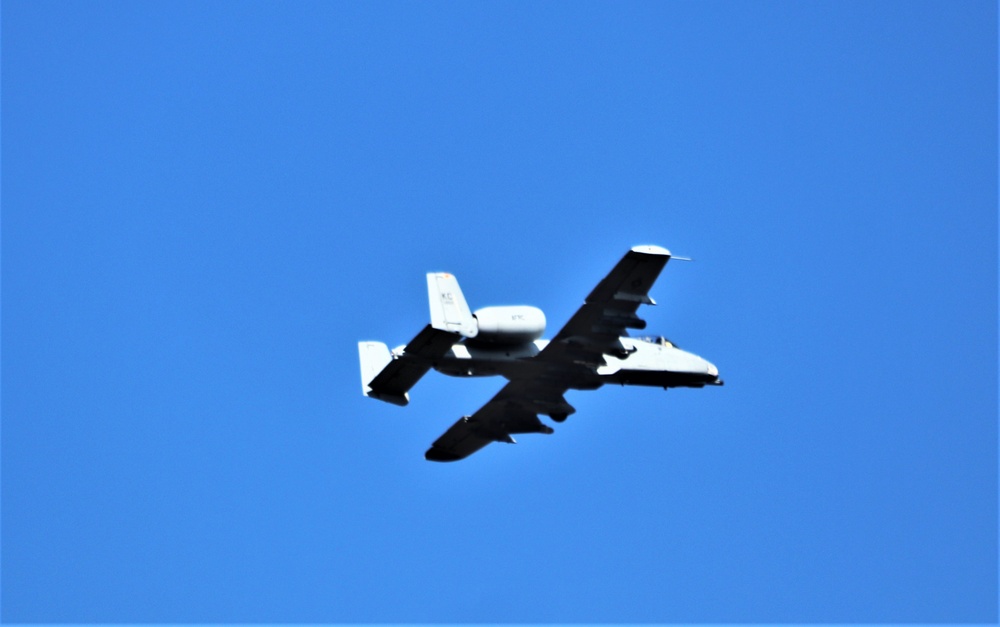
column 205, row 206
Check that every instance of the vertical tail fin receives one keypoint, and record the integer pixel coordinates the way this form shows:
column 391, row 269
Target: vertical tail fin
column 449, row 311
column 375, row 356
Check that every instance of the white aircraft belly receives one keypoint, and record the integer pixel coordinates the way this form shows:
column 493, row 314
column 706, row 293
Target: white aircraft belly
column 474, row 361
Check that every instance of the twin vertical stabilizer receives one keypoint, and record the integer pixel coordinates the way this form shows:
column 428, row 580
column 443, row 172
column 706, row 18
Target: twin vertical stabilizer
column 449, row 311
column 387, row 375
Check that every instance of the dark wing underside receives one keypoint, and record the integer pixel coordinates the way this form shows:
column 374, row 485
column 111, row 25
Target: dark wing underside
column 610, row 310
column 514, row 409
column 567, row 362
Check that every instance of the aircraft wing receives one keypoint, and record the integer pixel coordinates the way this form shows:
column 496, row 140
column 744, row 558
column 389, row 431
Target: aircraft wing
column 514, row 409
column 609, row 310
column 566, row 363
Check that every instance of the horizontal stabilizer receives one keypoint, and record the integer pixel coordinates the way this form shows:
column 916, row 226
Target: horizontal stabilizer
column 431, row 343
column 376, row 359
column 394, row 375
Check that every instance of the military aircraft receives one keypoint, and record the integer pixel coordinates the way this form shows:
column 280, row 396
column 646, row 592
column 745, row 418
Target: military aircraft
column 593, row 348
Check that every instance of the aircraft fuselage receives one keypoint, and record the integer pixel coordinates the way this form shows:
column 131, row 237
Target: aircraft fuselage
column 654, row 363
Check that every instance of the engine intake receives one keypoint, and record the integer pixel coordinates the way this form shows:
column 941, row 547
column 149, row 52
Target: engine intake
column 509, row 325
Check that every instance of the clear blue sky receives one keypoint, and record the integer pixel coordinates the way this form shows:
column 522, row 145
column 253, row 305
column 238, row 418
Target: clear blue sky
column 205, row 206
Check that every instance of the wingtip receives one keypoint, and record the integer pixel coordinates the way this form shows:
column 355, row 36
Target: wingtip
column 651, row 250
column 435, row 454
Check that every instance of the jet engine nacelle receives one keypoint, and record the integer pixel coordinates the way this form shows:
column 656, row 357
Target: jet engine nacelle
column 509, row 325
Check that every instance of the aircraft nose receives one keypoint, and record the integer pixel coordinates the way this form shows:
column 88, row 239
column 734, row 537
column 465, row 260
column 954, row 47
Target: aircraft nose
column 695, row 365
column 713, row 372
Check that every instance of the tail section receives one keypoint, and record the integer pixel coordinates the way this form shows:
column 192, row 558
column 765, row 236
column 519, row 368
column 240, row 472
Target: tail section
column 375, row 356
column 389, row 376
column 449, row 311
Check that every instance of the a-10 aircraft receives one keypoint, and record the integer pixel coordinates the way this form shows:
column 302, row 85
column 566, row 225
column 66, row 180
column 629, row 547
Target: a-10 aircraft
column 593, row 348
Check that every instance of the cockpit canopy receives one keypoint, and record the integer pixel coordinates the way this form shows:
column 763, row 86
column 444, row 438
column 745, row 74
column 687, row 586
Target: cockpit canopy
column 658, row 340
